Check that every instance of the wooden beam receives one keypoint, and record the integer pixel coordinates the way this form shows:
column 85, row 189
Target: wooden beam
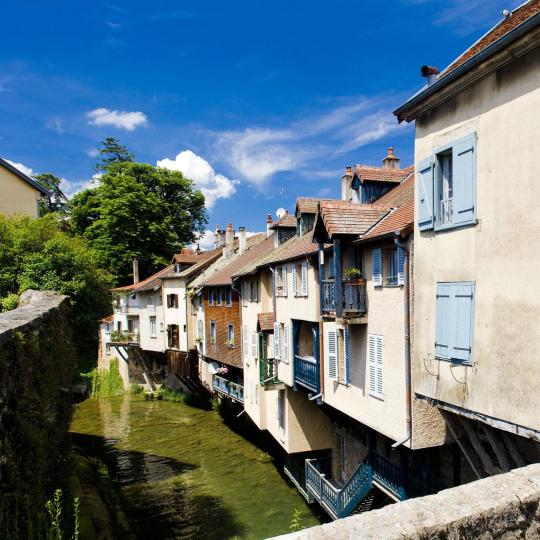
column 512, row 449
column 485, row 459
column 497, row 447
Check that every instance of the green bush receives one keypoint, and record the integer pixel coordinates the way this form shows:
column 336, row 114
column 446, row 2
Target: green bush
column 136, row 389
column 104, row 382
column 9, row 302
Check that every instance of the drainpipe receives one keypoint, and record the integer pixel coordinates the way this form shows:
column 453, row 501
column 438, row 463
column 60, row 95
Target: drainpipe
column 407, row 324
column 320, row 259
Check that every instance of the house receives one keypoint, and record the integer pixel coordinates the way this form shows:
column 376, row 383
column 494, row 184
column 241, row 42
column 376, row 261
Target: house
column 19, row 194
column 476, row 303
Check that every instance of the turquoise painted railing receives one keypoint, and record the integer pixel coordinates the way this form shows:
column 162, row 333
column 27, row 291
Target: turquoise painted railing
column 229, row 388
column 338, row 502
column 328, row 296
column 267, row 371
column 353, row 300
column 307, row 373
column 387, row 474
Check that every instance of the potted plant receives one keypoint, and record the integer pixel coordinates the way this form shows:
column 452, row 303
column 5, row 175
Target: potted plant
column 229, row 343
column 353, row 275
column 212, row 340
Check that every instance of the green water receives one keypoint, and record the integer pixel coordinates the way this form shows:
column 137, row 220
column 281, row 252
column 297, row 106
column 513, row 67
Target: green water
column 184, row 473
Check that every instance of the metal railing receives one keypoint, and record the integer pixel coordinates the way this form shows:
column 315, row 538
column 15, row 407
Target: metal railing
column 230, row 389
column 353, row 300
column 388, row 474
column 307, row 372
column 338, row 502
column 267, row 371
column 124, row 337
column 446, row 211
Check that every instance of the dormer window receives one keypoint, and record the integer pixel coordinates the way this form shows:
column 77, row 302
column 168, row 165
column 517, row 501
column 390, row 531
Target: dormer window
column 355, row 190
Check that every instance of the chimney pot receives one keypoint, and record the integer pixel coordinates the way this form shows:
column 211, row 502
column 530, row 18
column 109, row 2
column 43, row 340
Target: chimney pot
column 430, row 73
column 348, row 171
column 391, row 161
column 228, row 248
column 269, row 223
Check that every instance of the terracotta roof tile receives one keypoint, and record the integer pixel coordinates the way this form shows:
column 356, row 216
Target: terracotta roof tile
column 266, row 321
column 294, row 248
column 188, row 255
column 517, row 17
column 146, row 284
column 380, row 174
column 285, row 221
column 308, row 205
column 343, row 217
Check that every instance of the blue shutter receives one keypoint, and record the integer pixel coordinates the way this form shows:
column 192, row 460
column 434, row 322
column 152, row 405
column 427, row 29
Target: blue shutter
column 443, row 321
column 464, row 180
column 346, row 355
column 424, row 189
column 332, row 268
column 463, row 301
column 377, row 267
column 400, row 266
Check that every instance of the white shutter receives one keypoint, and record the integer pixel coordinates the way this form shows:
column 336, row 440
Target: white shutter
column 375, row 362
column 304, row 279
column 293, row 274
column 284, row 279
column 276, row 341
column 331, row 354
column 286, row 343
column 346, row 355
column 245, row 342
column 255, row 345
column 276, row 282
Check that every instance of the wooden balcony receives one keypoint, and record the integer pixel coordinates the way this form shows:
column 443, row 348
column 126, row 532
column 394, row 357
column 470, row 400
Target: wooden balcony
column 307, row 373
column 352, row 302
column 228, row 388
column 268, row 372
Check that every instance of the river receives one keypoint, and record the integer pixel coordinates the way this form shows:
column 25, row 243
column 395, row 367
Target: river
column 184, row 473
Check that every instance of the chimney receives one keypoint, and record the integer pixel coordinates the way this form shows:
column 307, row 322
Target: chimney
column 135, row 270
column 430, row 73
column 269, row 231
column 228, row 248
column 216, row 236
column 390, row 161
column 242, row 239
column 346, row 180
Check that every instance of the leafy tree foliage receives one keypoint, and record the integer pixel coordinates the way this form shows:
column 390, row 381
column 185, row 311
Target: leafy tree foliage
column 113, row 152
column 37, row 254
column 57, row 202
column 138, row 210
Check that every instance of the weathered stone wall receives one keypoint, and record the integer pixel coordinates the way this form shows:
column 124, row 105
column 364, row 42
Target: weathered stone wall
column 37, row 364
column 504, row 506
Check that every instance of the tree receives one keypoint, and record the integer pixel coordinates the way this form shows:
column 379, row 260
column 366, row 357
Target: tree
column 37, row 254
column 113, row 152
column 57, row 202
column 138, row 210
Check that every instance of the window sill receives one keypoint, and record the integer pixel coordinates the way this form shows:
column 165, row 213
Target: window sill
column 153, row 336
column 454, row 361
column 377, row 396
column 450, row 226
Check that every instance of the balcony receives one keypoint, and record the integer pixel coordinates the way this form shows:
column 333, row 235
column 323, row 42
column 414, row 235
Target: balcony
column 353, row 301
column 387, row 476
column 228, row 389
column 125, row 337
column 267, row 372
column 307, row 372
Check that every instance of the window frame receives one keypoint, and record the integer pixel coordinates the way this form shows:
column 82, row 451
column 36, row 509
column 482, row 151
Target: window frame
column 230, row 331
column 211, row 296
column 153, row 323
column 228, row 297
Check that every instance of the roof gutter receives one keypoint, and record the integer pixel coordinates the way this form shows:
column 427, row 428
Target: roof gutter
column 475, row 60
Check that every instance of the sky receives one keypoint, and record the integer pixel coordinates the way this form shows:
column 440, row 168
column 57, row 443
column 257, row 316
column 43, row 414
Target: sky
column 258, row 102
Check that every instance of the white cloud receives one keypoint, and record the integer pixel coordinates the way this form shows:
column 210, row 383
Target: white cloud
column 93, row 152
column 23, row 168
column 214, row 186
column 258, row 153
column 119, row 119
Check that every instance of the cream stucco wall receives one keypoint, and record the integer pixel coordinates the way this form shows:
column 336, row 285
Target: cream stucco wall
column 150, row 305
column 176, row 315
column 500, row 254
column 17, row 196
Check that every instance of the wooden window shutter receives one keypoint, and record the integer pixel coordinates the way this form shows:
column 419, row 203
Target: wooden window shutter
column 443, row 321
column 424, row 189
column 400, row 266
column 377, row 267
column 276, row 282
column 286, row 343
column 332, row 268
column 284, row 279
column 277, row 349
column 293, row 276
column 464, row 177
column 379, row 362
column 245, row 342
column 331, row 354
column 372, row 364
column 463, row 300
column 346, row 356
column 304, row 279
column 255, row 345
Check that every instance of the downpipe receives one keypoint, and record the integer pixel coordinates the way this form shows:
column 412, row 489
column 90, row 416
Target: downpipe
column 407, row 323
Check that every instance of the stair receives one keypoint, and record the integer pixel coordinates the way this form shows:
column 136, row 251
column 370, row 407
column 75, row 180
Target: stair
column 366, row 504
column 147, row 374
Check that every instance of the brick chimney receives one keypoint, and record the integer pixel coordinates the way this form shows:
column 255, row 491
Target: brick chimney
column 390, row 161
column 135, row 270
column 269, row 222
column 228, row 249
column 242, row 240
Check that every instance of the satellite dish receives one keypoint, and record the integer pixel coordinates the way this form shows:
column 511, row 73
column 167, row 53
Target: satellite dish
column 280, row 212
column 213, row 367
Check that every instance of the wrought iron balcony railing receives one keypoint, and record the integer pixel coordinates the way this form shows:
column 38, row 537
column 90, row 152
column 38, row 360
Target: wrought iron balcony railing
column 267, row 371
column 228, row 388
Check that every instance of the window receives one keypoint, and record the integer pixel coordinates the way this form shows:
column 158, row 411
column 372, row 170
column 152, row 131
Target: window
column 212, row 331
column 153, row 327
column 253, row 294
column 210, row 297
column 172, row 300
column 280, row 281
column 228, row 296
column 200, row 329
column 255, row 345
column 388, row 267
column 375, row 365
column 332, row 354
column 454, row 322
column 277, row 348
column 299, row 279
column 173, row 336
column 219, row 296
column 447, row 186
column 281, row 412
column 230, row 335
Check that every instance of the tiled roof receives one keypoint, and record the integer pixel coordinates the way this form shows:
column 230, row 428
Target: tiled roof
column 379, row 174
column 401, row 199
column 210, row 257
column 146, row 284
column 233, row 265
column 285, row 221
column 517, row 17
column 108, row 319
column 343, row 217
column 293, row 248
column 258, row 255
column 266, row 321
column 308, row 205
column 188, row 255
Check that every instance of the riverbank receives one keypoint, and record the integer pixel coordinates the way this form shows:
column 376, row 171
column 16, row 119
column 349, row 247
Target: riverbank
column 181, row 472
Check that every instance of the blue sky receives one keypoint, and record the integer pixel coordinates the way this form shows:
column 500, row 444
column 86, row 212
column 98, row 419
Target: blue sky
column 249, row 98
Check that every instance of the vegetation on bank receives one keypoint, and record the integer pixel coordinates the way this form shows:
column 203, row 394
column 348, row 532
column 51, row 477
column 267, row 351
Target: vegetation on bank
column 104, row 382
column 193, row 400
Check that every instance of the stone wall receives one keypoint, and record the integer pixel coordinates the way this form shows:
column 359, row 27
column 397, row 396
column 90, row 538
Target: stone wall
column 503, row 506
column 37, row 365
